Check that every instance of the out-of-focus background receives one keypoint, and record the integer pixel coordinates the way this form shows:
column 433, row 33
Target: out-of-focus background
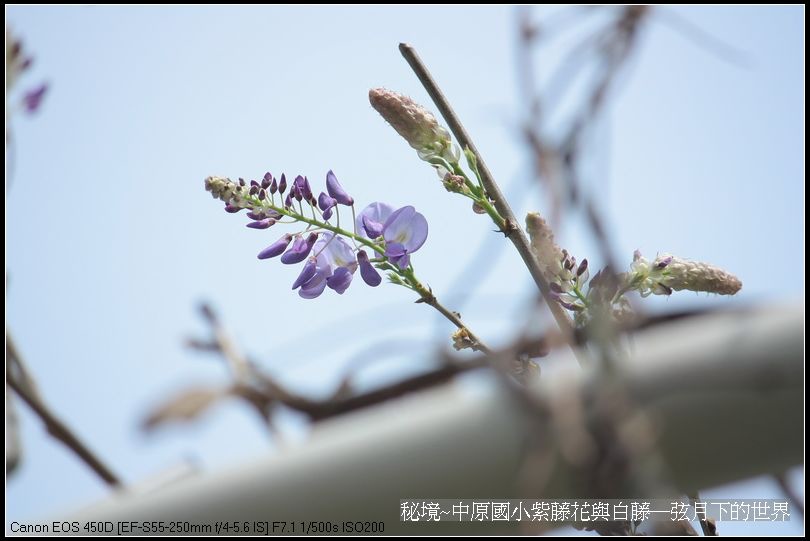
column 112, row 242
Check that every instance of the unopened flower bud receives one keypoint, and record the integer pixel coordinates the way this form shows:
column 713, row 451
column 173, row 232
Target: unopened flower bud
column 414, row 123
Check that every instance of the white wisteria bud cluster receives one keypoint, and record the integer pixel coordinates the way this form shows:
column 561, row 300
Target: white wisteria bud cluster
column 568, row 282
column 668, row 273
column 415, row 124
column 546, row 251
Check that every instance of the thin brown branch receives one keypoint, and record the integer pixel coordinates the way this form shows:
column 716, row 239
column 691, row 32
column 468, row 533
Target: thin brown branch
column 19, row 380
column 511, row 226
column 262, row 390
column 707, row 526
column 455, row 319
column 790, row 494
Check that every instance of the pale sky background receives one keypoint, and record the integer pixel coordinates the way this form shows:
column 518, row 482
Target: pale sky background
column 111, row 240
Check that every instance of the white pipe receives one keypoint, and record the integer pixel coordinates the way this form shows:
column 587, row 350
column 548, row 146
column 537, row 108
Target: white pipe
column 724, row 391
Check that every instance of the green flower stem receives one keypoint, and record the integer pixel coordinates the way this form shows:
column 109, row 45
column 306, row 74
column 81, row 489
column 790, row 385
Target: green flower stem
column 426, row 296
column 580, row 296
column 479, row 195
column 505, row 214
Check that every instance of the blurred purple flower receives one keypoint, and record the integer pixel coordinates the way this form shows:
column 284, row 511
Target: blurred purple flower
column 33, row 98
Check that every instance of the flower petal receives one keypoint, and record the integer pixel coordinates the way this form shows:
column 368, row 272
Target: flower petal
column 300, row 249
column 261, row 224
column 367, row 270
column 306, row 275
column 340, row 280
column 376, row 212
column 398, row 255
column 419, row 232
column 336, row 190
column 276, row 248
column 313, row 288
column 372, row 229
column 407, row 227
column 397, row 224
column 325, row 202
column 336, row 252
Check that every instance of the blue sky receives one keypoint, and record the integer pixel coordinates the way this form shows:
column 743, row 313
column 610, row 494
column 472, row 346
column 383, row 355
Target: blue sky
column 111, row 241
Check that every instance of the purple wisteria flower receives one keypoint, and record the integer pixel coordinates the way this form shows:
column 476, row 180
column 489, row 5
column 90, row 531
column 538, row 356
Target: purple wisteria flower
column 300, row 249
column 370, row 221
column 382, row 237
column 405, row 231
column 332, row 264
column 276, row 248
column 336, row 190
column 367, row 270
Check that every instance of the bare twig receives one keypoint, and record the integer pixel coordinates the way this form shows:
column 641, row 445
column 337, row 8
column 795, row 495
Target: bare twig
column 791, row 494
column 20, row 381
column 708, row 527
column 236, row 362
column 511, row 228
column 455, row 319
column 262, row 390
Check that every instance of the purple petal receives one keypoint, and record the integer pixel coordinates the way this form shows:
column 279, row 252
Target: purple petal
column 274, row 186
column 662, row 264
column 407, row 227
column 261, row 224
column 288, row 200
column 313, row 288
column 327, row 214
column 336, row 190
column 300, row 249
column 232, row 208
column 306, row 189
column 419, row 233
column 306, row 275
column 395, row 250
column 397, row 254
column 336, row 252
column 373, row 229
column 367, row 270
column 276, row 248
column 340, row 280
column 325, row 202
column 282, row 184
column 401, row 261
column 376, row 212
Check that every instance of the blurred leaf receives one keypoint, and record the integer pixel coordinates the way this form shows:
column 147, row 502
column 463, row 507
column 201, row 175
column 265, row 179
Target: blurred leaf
column 185, row 406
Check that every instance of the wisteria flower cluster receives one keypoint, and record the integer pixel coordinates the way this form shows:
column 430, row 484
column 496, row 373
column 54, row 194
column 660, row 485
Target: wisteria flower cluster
column 330, row 253
column 569, row 282
column 570, row 286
